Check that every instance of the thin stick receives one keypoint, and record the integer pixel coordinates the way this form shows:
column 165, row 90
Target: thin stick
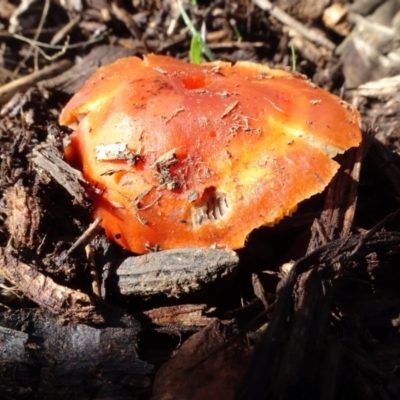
column 93, row 271
column 65, row 30
column 35, row 37
column 87, row 236
column 8, row 90
column 311, row 34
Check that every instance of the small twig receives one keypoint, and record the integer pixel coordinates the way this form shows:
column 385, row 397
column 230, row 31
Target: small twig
column 311, row 34
column 35, row 37
column 45, row 12
column 87, row 236
column 63, row 32
column 121, row 14
column 229, row 109
column 8, row 90
column 57, row 46
column 366, row 236
column 93, row 271
column 174, row 114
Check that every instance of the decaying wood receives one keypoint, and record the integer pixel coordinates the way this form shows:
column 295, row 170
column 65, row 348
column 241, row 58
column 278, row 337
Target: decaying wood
column 216, row 378
column 64, row 360
column 188, row 315
column 47, row 159
column 261, row 374
column 304, row 347
column 41, row 289
column 23, row 215
column 175, row 272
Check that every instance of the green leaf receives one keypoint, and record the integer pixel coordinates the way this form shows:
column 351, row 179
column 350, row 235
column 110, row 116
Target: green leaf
column 209, row 54
column 195, row 50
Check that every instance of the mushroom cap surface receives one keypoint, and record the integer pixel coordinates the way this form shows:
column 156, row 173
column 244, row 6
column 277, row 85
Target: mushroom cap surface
column 184, row 155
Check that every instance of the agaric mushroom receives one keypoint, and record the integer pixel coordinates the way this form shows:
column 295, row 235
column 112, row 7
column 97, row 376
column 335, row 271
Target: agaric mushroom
column 182, row 155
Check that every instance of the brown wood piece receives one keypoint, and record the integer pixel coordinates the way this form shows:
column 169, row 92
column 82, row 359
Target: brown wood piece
column 41, row 289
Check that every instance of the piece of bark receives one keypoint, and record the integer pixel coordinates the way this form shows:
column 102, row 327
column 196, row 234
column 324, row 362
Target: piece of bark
column 23, row 215
column 303, row 352
column 175, row 272
column 388, row 86
column 336, row 219
column 47, row 159
column 215, row 378
column 188, row 315
column 41, row 289
column 260, row 378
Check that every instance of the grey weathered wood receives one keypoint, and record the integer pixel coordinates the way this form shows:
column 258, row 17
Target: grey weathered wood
column 174, row 272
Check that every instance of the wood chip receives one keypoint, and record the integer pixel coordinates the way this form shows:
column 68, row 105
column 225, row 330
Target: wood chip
column 175, row 272
column 63, row 173
column 188, row 315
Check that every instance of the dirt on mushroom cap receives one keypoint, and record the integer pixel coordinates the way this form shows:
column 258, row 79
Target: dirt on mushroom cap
column 200, row 155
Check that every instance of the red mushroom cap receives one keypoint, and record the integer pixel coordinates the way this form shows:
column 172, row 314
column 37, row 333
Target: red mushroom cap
column 199, row 155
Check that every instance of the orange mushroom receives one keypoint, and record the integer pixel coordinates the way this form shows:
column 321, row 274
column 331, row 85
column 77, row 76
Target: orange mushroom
column 182, row 155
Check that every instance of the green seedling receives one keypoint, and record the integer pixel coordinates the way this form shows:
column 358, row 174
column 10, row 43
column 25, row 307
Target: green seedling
column 195, row 50
column 194, row 32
